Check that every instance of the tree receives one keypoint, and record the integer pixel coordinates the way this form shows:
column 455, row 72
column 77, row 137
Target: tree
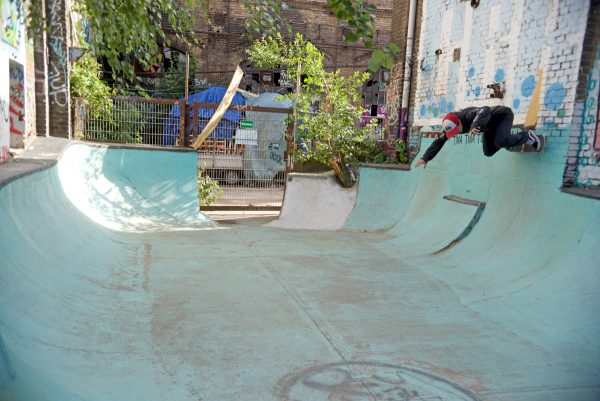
column 331, row 134
column 127, row 30
column 265, row 18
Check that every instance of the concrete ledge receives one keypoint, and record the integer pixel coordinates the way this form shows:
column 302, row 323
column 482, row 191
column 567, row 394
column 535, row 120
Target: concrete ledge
column 315, row 202
column 587, row 192
column 18, row 168
column 405, row 167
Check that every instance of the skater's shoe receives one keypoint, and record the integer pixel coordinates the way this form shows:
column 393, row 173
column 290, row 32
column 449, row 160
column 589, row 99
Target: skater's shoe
column 533, row 140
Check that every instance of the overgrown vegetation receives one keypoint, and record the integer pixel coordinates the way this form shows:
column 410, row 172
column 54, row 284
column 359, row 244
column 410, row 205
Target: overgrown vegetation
column 124, row 31
column 104, row 122
column 87, row 84
column 330, row 133
column 265, row 18
column 209, row 191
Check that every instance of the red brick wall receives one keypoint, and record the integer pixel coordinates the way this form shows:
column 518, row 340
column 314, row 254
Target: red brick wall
column 223, row 45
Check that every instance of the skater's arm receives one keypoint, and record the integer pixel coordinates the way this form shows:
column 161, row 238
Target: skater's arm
column 435, row 147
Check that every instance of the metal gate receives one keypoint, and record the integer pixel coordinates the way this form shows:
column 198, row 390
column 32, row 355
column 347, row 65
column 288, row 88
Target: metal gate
column 247, row 153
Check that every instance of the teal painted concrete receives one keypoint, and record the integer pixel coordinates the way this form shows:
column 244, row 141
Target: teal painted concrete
column 118, row 304
column 133, row 189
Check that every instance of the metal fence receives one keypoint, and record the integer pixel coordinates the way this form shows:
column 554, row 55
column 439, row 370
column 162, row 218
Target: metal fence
column 247, row 153
column 132, row 120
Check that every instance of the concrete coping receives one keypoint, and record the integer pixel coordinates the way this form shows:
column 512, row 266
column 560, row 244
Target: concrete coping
column 44, row 152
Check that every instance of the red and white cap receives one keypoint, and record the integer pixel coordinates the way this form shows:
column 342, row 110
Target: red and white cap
column 450, row 124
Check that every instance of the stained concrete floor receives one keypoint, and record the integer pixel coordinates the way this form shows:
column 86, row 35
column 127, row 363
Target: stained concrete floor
column 113, row 287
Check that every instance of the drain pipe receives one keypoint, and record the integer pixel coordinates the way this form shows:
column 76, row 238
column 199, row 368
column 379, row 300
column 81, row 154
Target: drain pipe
column 410, row 38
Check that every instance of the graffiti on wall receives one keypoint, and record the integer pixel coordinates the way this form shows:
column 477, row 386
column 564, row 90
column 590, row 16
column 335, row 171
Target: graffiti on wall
column 588, row 172
column 57, row 74
column 459, row 72
column 597, row 136
column 4, row 127
column 17, row 104
column 10, row 23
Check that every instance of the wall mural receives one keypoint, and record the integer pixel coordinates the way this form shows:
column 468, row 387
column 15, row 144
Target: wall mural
column 12, row 95
column 459, row 72
column 4, row 113
column 10, row 23
column 17, row 104
column 588, row 172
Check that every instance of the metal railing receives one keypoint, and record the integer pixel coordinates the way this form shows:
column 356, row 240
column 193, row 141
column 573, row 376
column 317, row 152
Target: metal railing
column 132, row 120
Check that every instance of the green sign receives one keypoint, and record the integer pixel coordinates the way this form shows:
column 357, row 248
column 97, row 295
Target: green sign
column 247, row 124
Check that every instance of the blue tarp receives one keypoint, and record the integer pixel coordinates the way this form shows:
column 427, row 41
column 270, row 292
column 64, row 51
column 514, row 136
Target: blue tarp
column 226, row 127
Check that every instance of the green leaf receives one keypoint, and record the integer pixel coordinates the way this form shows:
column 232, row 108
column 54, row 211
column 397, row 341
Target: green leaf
column 394, row 48
column 378, row 55
column 387, row 62
column 374, row 65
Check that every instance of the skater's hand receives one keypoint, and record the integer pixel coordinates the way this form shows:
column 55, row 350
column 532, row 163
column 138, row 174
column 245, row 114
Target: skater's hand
column 475, row 131
column 421, row 161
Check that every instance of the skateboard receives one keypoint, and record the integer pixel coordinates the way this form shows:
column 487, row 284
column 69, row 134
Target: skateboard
column 529, row 148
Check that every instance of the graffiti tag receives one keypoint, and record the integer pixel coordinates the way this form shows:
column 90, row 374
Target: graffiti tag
column 57, row 75
column 17, row 102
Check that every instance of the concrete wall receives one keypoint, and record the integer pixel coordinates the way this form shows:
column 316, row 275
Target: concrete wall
column 12, row 77
column 532, row 48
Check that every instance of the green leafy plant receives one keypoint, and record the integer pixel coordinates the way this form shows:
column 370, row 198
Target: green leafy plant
column 209, row 191
column 171, row 84
column 265, row 18
column 402, row 152
column 124, row 31
column 331, row 134
column 358, row 15
column 384, row 57
column 86, row 84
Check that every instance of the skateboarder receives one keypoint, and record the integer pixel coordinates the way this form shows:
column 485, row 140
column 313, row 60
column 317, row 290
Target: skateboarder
column 495, row 124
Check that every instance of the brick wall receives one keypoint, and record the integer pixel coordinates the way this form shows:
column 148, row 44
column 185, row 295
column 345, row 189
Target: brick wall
column 58, row 35
column 223, row 45
column 583, row 158
column 531, row 48
column 395, row 87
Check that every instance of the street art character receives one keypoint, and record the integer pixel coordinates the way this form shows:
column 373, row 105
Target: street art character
column 494, row 123
column 9, row 22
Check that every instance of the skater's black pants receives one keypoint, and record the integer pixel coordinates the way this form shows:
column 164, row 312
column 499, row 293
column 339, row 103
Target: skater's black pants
column 497, row 134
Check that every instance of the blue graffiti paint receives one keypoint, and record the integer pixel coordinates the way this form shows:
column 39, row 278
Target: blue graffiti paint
column 528, row 86
column 434, row 110
column 555, row 96
column 427, row 69
column 428, row 94
column 499, row 76
column 468, row 93
column 477, row 90
column 423, row 111
column 516, row 103
column 471, row 72
column 443, row 104
column 450, row 106
column 548, row 124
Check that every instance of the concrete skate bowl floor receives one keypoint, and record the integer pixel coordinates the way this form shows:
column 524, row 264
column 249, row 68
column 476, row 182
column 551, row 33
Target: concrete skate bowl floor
column 113, row 287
